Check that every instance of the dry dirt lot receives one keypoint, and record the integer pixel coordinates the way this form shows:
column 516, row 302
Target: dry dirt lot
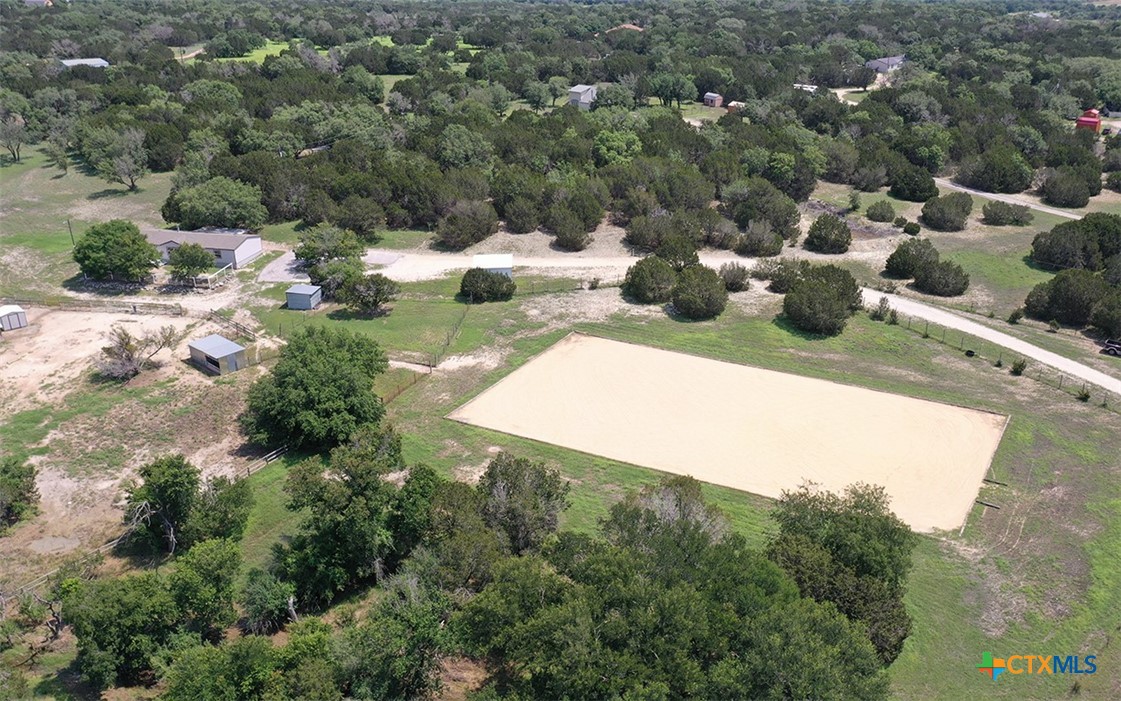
column 42, row 361
column 750, row 429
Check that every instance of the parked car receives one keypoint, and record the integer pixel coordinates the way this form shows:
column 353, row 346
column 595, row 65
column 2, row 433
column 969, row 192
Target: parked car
column 1113, row 347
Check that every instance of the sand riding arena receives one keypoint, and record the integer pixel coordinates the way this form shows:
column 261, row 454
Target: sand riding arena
column 754, row 430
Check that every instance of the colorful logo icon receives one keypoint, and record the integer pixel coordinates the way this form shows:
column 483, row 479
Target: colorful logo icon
column 992, row 666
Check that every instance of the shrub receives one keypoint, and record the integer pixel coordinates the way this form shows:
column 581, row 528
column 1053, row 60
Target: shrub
column 1016, row 315
column 1113, row 181
column 829, row 234
column 1069, row 297
column 1063, row 188
column 786, row 274
column 854, row 202
column 568, row 231
column 840, row 281
column 812, row 306
column 18, row 494
column 480, row 285
column 649, row 281
column 646, row 233
column 944, row 278
column 1106, row 316
column 1003, row 214
column 947, row 212
column 522, row 215
column 909, row 256
column 678, row 250
column 1000, row 169
column 759, row 240
column 900, row 222
column 266, row 602
column 911, row 228
column 735, row 277
column 881, row 211
column 912, row 183
column 467, row 223
column 1019, row 366
column 756, row 199
column 699, row 293
column 880, row 313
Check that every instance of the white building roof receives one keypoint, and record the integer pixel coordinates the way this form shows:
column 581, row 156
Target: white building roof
column 91, row 62
column 711, row 95
column 10, row 309
column 489, row 261
column 216, row 346
column 581, row 88
column 303, row 289
column 214, row 241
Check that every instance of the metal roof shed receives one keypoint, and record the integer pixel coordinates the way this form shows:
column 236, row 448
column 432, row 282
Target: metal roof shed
column 495, row 263
column 304, row 296
column 217, row 354
column 12, row 317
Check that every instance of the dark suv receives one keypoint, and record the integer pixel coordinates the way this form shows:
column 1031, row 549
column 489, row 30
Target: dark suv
column 1113, row 347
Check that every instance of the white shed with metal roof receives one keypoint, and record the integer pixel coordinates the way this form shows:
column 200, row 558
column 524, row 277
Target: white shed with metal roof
column 218, row 354
column 495, row 263
column 304, row 296
column 12, row 317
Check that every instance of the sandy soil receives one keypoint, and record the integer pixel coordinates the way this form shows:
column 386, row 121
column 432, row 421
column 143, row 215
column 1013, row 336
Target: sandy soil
column 741, row 427
column 41, row 361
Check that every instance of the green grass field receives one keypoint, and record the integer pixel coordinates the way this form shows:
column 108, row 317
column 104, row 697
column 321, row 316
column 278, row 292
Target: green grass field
column 271, row 48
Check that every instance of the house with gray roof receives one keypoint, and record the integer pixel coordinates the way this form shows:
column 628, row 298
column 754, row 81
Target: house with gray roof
column 233, row 249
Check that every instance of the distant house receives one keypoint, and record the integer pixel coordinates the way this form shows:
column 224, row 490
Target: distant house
column 735, row 105
column 1091, row 120
column 12, row 317
column 889, row 64
column 628, row 26
column 806, row 87
column 38, row 3
column 502, row 263
column 303, row 296
column 218, row 354
column 582, row 96
column 236, row 250
column 712, row 99
column 91, row 62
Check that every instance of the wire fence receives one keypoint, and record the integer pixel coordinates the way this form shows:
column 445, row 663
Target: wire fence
column 122, row 306
column 1017, row 364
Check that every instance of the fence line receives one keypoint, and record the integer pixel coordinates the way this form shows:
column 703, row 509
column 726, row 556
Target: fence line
column 975, row 347
column 112, row 305
column 241, row 329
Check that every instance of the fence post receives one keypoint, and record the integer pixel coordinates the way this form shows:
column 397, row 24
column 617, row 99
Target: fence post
column 943, row 335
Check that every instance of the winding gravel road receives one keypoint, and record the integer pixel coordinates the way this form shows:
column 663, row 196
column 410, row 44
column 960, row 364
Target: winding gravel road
column 405, row 266
column 953, row 321
column 1010, row 199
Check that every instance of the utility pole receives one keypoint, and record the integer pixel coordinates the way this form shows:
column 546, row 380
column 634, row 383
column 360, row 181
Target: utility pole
column 71, row 228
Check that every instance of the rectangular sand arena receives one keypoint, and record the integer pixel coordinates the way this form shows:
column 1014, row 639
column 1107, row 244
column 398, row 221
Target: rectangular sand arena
column 755, row 430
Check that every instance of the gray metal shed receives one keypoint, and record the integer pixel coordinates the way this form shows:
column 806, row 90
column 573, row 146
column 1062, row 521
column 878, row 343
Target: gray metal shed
column 218, row 355
column 12, row 317
column 304, row 296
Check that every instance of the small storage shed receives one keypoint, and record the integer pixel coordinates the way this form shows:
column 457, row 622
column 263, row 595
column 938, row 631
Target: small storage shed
column 218, row 354
column 713, row 99
column 1091, row 120
column 12, row 317
column 495, row 263
column 304, row 296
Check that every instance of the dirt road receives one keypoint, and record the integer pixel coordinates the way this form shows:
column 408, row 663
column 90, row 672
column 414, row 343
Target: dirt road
column 1010, row 199
column 953, row 321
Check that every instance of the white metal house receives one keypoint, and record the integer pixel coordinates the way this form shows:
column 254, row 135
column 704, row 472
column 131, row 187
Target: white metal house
column 236, row 250
column 888, row 64
column 12, row 317
column 582, row 96
column 304, row 296
column 91, row 62
column 495, row 263
column 218, row 354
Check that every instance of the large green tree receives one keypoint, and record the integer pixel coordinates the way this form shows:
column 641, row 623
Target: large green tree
column 523, row 499
column 320, row 391
column 115, row 249
column 220, row 202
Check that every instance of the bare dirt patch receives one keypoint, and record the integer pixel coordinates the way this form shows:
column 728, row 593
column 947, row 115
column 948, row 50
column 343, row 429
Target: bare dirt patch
column 42, row 361
column 688, row 415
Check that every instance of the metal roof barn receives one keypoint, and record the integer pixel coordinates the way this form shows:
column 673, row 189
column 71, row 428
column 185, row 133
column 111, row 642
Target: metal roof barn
column 218, row 354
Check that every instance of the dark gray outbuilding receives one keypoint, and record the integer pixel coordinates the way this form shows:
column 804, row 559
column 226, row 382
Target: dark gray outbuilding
column 304, row 296
column 218, row 355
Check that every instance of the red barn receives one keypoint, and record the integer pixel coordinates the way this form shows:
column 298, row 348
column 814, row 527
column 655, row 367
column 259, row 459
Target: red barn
column 1091, row 119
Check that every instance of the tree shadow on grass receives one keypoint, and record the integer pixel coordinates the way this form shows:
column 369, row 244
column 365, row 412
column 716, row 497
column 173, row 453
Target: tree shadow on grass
column 66, row 683
column 348, row 315
column 110, row 193
column 102, row 288
column 786, row 325
column 1035, row 265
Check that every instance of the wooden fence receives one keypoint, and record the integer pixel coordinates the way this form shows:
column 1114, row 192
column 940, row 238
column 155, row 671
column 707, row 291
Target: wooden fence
column 122, row 306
